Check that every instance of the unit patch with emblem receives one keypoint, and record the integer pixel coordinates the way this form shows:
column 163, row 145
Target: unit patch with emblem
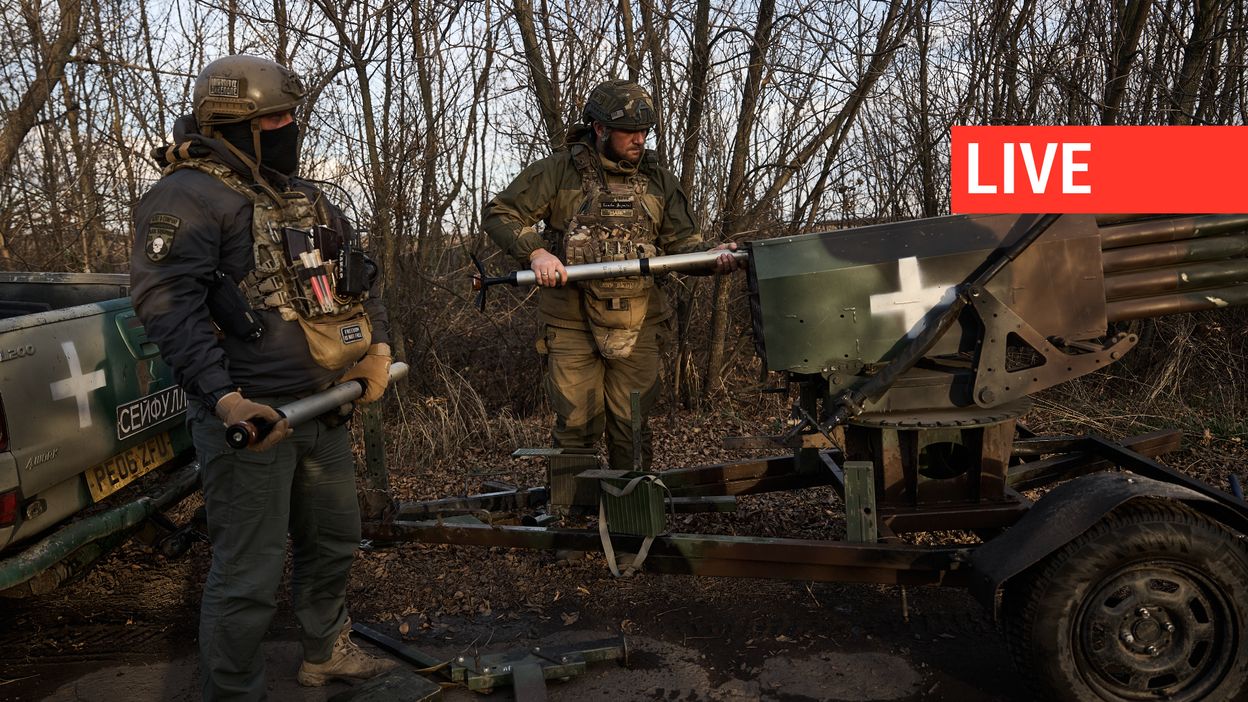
column 161, row 229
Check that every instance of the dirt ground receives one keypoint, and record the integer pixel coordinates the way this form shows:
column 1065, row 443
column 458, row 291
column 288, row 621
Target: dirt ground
column 127, row 630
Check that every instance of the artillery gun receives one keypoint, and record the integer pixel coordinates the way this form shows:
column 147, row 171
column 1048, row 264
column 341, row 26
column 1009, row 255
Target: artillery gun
column 914, row 348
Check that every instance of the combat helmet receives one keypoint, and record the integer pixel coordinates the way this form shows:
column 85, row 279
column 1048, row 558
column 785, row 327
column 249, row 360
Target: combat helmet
column 620, row 104
column 238, row 88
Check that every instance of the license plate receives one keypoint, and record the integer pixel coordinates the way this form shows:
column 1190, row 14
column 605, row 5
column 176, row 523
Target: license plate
column 126, row 467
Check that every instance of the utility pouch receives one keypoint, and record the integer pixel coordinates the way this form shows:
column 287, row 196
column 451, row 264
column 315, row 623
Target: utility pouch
column 337, row 341
column 297, row 241
column 615, row 322
column 230, row 311
column 352, row 272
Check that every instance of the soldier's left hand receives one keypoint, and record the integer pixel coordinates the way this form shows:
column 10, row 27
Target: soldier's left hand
column 549, row 269
column 374, row 370
column 727, row 263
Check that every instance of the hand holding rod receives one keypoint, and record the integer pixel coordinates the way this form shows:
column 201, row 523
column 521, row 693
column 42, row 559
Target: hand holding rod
column 676, row 263
column 245, row 433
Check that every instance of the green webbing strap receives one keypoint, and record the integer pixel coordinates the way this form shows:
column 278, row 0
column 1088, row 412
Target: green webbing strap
column 606, row 535
column 634, row 405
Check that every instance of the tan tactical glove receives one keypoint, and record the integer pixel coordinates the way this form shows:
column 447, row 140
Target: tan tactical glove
column 234, row 408
column 374, row 370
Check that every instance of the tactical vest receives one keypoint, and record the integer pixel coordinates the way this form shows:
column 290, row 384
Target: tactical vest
column 611, row 225
column 337, row 328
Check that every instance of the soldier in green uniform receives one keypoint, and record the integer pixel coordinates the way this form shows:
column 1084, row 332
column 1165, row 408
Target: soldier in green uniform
column 603, row 198
column 243, row 275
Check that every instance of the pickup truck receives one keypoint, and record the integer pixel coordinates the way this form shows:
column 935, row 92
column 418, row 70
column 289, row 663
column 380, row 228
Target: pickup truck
column 87, row 408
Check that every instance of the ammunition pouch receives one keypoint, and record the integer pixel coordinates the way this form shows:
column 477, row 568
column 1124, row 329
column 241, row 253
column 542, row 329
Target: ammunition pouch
column 337, row 341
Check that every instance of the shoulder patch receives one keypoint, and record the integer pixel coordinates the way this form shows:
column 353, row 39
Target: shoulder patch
column 161, row 229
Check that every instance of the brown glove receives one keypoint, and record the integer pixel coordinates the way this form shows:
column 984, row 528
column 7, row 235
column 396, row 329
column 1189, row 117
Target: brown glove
column 374, row 370
column 234, row 408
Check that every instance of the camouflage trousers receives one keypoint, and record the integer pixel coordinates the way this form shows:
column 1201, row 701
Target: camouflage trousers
column 591, row 394
column 304, row 486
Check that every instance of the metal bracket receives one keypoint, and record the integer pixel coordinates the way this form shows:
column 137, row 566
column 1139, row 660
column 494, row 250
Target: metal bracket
column 995, row 385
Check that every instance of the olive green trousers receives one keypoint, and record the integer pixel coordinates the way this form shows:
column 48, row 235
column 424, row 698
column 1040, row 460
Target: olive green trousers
column 304, row 487
column 591, row 394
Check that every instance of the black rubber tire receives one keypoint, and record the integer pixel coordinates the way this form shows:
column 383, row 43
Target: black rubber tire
column 1150, row 603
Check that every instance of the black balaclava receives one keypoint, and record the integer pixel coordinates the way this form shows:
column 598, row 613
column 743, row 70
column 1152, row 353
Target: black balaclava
column 279, row 148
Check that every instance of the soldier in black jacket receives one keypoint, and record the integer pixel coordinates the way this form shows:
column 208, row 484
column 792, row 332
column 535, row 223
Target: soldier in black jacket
column 230, row 223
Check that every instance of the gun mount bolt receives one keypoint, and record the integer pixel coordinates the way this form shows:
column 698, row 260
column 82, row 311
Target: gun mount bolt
column 1128, row 638
column 563, row 659
column 987, row 395
column 1152, row 651
column 1143, row 612
column 1169, row 627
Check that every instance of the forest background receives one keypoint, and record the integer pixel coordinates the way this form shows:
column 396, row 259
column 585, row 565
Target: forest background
column 778, row 117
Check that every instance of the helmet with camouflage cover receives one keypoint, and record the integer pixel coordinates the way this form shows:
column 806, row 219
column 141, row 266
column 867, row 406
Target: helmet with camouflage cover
column 620, row 104
column 238, row 88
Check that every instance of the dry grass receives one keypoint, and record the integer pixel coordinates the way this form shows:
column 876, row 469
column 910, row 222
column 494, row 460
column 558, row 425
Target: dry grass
column 442, row 424
column 1189, row 372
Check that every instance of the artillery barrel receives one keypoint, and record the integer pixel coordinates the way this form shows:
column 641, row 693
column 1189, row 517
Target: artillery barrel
column 1180, row 278
column 1139, row 308
column 1173, row 253
column 1105, row 220
column 1152, row 231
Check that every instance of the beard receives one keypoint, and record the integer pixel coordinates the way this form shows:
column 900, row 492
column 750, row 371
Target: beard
column 614, row 154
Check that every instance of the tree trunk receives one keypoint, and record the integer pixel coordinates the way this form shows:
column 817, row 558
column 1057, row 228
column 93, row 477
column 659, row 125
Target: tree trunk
column 49, row 71
column 926, row 145
column 683, row 387
column 1132, row 18
column 632, row 57
column 734, row 201
column 523, row 12
column 699, row 66
column 1208, row 16
column 658, row 89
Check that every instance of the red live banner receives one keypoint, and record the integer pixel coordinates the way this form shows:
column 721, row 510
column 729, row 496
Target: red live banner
column 1099, row 170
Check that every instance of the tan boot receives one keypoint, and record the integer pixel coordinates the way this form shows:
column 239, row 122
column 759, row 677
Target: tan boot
column 346, row 662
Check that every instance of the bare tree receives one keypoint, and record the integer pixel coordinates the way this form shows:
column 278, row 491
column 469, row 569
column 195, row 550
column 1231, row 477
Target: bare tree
column 523, row 10
column 52, row 54
column 1131, row 17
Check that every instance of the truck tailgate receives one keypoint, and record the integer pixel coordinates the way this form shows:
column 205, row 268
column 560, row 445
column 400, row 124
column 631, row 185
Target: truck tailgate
column 89, row 407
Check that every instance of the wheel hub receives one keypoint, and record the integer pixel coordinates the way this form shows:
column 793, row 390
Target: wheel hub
column 1147, row 631
column 1154, row 630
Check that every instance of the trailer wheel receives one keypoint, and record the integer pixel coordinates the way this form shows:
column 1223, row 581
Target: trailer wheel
column 1150, row 603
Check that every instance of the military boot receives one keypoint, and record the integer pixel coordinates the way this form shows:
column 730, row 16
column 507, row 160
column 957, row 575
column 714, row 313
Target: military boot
column 346, row 662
